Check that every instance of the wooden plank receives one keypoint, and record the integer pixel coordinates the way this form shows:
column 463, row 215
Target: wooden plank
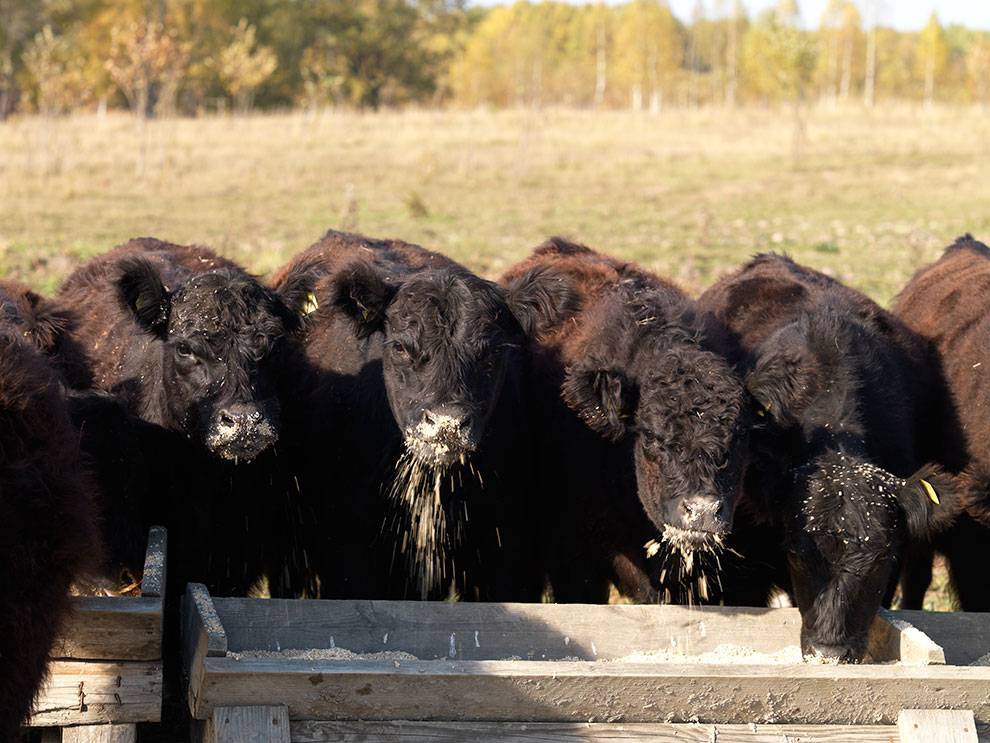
column 548, row 691
column 100, row 734
column 529, row 732
column 155, row 558
column 268, row 724
column 110, row 628
column 964, row 636
column 203, row 637
column 894, row 638
column 936, row 726
column 479, row 631
column 91, row 692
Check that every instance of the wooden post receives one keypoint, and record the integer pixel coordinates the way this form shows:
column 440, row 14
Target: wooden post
column 936, row 726
column 100, row 734
column 249, row 725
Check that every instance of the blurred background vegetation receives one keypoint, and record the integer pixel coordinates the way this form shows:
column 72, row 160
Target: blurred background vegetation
column 686, row 144
column 160, row 57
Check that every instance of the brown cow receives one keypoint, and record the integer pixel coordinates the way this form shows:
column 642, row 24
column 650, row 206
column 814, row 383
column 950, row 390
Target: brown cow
column 643, row 422
column 48, row 534
column 949, row 303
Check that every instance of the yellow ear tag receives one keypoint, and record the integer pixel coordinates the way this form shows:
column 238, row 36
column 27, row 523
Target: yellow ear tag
column 141, row 302
column 311, row 304
column 930, row 491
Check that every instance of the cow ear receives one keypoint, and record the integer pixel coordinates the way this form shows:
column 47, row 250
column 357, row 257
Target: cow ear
column 363, row 294
column 778, row 386
column 930, row 502
column 540, row 299
column 143, row 293
column 604, row 398
column 46, row 322
column 298, row 293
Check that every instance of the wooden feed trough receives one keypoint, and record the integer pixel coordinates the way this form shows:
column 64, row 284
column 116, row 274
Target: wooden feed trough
column 271, row 670
column 106, row 672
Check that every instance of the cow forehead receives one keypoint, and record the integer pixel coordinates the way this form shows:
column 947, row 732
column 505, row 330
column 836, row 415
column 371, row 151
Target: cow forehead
column 216, row 309
column 446, row 305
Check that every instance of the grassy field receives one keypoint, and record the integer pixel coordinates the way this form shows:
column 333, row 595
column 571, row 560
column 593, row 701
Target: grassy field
column 871, row 197
column 866, row 196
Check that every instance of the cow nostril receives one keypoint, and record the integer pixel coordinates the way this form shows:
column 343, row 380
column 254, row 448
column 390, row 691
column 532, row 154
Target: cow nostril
column 224, row 418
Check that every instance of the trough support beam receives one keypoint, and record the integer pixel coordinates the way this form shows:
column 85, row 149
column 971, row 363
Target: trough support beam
column 936, row 726
column 269, row 724
column 100, row 734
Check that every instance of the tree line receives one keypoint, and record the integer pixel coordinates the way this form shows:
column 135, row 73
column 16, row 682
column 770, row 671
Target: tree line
column 187, row 56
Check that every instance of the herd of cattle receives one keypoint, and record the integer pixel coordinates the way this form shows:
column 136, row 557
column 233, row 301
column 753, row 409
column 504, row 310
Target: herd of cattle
column 379, row 422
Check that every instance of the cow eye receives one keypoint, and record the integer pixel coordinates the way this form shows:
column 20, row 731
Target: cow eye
column 400, row 350
column 184, row 350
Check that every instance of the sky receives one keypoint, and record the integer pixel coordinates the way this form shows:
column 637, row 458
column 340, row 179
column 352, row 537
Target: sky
column 906, row 15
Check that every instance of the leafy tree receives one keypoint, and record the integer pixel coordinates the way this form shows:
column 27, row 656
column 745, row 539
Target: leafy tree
column 52, row 63
column 649, row 52
column 244, row 66
column 933, row 56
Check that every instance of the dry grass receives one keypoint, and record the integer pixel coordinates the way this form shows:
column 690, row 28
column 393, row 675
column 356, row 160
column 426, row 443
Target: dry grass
column 689, row 194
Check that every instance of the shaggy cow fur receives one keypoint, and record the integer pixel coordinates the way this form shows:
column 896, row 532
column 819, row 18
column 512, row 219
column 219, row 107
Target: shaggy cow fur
column 644, row 427
column 411, row 421
column 948, row 302
column 48, row 533
column 834, row 495
column 190, row 347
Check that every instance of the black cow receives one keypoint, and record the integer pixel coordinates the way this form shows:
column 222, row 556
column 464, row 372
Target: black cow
column 838, row 487
column 644, row 428
column 412, row 428
column 48, row 529
column 191, row 348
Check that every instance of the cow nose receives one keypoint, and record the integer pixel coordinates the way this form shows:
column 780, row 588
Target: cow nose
column 835, row 653
column 702, row 513
column 240, row 431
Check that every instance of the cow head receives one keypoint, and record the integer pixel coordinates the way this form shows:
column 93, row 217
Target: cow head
column 33, row 317
column 218, row 337
column 823, row 414
column 849, row 522
column 649, row 375
column 449, row 340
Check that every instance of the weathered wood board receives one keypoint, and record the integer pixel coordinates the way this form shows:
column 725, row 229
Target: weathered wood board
column 557, row 691
column 936, row 726
column 108, row 667
column 964, row 636
column 91, row 692
column 120, row 628
column 472, row 631
column 548, row 663
column 529, row 732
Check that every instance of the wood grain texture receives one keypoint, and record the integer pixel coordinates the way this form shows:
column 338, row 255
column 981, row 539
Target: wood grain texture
column 893, row 637
column 477, row 631
column 117, row 628
column 529, row 732
column 155, row 562
column 964, row 636
column 203, row 637
column 112, row 628
column 553, row 691
column 100, row 734
column 936, row 726
column 92, row 692
column 267, row 724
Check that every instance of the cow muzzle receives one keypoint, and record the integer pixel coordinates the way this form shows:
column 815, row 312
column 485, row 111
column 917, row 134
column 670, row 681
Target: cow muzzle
column 442, row 436
column 240, row 432
column 697, row 523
